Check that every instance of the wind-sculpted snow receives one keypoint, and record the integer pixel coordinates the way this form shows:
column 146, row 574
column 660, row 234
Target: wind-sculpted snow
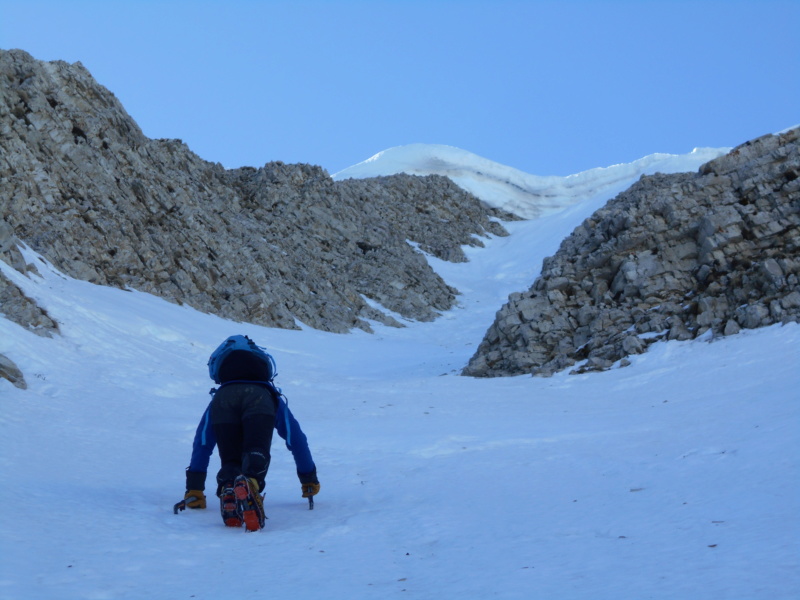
column 528, row 196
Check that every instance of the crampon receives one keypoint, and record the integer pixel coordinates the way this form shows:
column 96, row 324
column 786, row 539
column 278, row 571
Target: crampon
column 249, row 503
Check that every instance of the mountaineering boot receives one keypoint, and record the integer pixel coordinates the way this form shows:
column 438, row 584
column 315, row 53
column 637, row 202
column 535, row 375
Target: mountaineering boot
column 249, row 502
column 229, row 507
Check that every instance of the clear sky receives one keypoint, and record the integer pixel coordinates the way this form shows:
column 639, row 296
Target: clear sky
column 551, row 87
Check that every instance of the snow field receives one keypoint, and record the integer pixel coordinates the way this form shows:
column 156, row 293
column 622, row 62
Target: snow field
column 675, row 477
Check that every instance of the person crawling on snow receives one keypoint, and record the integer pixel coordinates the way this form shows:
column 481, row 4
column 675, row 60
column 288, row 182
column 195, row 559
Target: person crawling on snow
column 243, row 412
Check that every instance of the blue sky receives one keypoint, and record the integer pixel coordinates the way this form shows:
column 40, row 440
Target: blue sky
column 551, row 88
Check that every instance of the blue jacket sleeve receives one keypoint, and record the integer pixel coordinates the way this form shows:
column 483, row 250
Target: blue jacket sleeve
column 289, row 429
column 203, row 446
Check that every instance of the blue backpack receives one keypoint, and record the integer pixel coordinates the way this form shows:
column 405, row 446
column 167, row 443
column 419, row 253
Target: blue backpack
column 238, row 342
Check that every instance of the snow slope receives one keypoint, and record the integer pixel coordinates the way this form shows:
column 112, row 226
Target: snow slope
column 528, row 196
column 676, row 477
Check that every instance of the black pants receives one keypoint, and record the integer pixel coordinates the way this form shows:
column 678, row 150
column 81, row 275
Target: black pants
column 243, row 418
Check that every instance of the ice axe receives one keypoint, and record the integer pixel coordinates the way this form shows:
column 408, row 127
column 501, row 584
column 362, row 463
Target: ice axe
column 182, row 504
column 310, row 498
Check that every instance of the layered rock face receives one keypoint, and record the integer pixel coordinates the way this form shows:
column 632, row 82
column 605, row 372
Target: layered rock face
column 673, row 257
column 81, row 185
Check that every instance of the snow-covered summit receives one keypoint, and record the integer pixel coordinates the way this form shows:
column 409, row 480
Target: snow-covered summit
column 526, row 195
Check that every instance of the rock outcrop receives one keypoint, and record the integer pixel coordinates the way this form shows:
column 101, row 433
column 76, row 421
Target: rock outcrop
column 10, row 371
column 673, row 257
column 14, row 304
column 84, row 187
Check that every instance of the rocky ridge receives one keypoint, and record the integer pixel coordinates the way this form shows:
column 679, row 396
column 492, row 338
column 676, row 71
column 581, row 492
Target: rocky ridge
column 83, row 186
column 673, row 257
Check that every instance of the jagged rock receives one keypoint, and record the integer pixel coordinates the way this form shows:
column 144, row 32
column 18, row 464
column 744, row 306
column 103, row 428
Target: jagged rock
column 10, row 371
column 674, row 257
column 20, row 309
column 14, row 304
column 17, row 307
column 81, row 185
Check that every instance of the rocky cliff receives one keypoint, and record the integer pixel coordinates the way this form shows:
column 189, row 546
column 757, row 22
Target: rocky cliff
column 81, row 185
column 673, row 257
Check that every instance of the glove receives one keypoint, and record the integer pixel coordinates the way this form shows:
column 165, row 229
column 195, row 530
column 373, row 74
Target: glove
column 310, row 489
column 200, row 501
